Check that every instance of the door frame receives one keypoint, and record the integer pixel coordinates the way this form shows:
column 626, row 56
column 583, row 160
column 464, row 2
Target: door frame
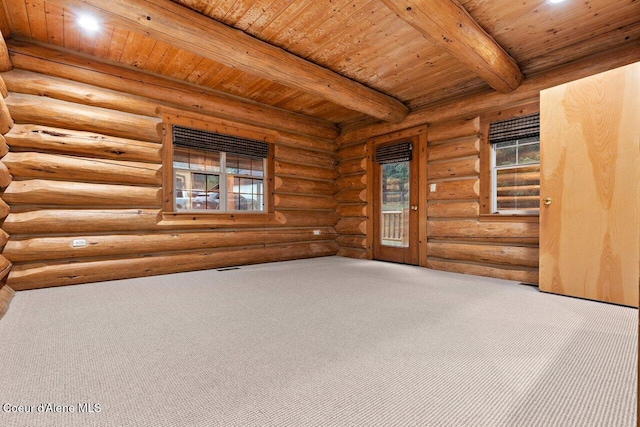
column 418, row 135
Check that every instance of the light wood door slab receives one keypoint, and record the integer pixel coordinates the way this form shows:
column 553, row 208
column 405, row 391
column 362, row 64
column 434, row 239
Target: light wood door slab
column 590, row 170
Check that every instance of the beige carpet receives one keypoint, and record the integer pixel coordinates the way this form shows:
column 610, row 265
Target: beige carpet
column 321, row 342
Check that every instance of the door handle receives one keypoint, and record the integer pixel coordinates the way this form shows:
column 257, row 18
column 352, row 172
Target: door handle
column 547, row 201
column 414, row 207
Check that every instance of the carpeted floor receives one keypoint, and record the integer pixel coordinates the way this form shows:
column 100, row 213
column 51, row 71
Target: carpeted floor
column 321, row 342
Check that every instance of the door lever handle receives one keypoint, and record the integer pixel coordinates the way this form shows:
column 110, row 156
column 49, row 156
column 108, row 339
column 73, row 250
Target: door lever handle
column 547, row 201
column 414, row 207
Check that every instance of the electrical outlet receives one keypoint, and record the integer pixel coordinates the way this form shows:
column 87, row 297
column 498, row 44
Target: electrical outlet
column 316, row 232
column 432, row 188
column 79, row 243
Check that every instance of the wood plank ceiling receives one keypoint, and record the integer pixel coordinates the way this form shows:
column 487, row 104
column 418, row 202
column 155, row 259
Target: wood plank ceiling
column 360, row 39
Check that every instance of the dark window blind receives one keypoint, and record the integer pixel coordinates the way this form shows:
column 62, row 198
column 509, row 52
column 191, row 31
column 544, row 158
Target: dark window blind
column 394, row 153
column 516, row 128
column 211, row 141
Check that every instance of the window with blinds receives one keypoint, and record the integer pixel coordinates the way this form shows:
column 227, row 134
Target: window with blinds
column 215, row 172
column 515, row 158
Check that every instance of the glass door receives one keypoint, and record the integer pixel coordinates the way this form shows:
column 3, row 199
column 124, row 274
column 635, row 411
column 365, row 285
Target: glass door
column 395, row 203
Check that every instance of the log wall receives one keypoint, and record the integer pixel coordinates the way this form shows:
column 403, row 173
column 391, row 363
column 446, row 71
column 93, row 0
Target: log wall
column 351, row 197
column 460, row 240
column 86, row 163
column 6, row 124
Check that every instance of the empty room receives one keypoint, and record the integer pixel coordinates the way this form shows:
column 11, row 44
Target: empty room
column 319, row 213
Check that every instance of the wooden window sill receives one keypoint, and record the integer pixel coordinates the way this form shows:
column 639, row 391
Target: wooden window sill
column 508, row 218
column 218, row 220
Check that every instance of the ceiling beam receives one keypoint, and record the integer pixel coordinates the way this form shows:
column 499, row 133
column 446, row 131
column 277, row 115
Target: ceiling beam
column 186, row 29
column 479, row 103
column 451, row 27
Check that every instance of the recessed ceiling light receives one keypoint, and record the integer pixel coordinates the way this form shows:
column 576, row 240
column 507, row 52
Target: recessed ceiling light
column 554, row 1
column 88, row 23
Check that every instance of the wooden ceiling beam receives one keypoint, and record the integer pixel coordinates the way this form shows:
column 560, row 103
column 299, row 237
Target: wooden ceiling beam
column 476, row 104
column 186, row 29
column 451, row 27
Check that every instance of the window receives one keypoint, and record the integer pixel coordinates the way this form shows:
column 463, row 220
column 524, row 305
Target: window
column 218, row 173
column 515, row 165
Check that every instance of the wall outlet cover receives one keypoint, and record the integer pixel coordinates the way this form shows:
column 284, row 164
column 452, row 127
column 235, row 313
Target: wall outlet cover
column 79, row 243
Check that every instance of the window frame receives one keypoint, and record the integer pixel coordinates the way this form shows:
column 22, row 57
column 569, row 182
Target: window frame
column 172, row 117
column 487, row 159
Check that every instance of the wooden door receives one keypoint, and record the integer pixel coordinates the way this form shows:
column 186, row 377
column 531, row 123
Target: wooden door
column 590, row 187
column 395, row 206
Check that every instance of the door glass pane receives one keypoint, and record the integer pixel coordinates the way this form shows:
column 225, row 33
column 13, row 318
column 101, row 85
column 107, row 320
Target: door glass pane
column 395, row 204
